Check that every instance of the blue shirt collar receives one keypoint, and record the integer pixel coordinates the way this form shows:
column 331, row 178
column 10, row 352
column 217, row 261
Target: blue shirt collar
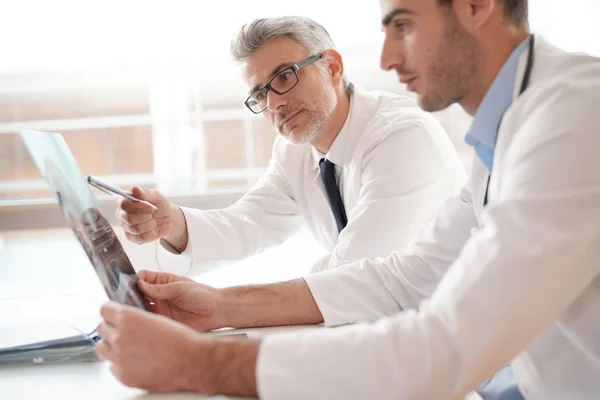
column 484, row 130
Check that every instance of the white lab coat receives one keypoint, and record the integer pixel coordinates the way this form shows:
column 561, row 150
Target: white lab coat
column 521, row 278
column 396, row 167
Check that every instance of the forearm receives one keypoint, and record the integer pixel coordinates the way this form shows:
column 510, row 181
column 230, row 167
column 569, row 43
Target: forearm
column 178, row 233
column 286, row 303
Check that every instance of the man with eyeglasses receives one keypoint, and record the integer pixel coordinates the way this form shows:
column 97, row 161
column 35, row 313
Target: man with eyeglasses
column 364, row 170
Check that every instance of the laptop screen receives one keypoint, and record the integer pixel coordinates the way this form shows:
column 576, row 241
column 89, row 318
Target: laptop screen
column 80, row 208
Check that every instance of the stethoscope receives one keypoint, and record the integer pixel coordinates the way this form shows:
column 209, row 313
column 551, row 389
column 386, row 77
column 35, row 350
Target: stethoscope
column 524, row 85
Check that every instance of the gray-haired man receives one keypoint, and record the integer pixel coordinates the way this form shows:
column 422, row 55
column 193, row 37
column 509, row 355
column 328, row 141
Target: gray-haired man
column 364, row 170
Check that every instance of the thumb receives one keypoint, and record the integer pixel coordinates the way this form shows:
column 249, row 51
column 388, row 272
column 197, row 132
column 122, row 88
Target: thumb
column 167, row 291
column 155, row 277
column 150, row 195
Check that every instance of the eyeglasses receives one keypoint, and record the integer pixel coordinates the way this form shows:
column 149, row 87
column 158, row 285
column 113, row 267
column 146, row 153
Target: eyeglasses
column 283, row 82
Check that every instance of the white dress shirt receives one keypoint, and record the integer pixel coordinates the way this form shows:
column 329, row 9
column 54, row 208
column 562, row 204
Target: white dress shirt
column 518, row 281
column 395, row 167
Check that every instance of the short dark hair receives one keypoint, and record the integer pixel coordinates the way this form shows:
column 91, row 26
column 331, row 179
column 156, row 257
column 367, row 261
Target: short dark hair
column 515, row 10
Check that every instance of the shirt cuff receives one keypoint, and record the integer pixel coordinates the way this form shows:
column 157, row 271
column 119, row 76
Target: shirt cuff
column 314, row 364
column 169, row 247
column 281, row 368
column 323, row 287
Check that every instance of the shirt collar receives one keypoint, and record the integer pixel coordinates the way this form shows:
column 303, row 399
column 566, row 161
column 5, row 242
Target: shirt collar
column 497, row 100
column 337, row 151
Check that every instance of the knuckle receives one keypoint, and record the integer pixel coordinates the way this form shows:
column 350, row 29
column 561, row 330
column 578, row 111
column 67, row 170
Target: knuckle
column 117, row 341
column 133, row 237
column 131, row 218
column 101, row 329
column 148, row 236
column 126, row 319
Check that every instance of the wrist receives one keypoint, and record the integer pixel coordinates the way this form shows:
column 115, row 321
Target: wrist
column 232, row 310
column 201, row 374
column 177, row 235
column 227, row 366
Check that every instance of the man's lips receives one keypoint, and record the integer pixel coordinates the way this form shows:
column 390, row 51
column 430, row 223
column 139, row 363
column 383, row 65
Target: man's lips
column 289, row 117
column 405, row 79
column 408, row 81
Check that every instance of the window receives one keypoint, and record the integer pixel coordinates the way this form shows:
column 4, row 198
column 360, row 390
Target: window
column 160, row 129
column 148, row 93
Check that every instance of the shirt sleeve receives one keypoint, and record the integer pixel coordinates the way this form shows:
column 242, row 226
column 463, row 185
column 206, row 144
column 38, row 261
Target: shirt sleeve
column 535, row 255
column 366, row 291
column 406, row 177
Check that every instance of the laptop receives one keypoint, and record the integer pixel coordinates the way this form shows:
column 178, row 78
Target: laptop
column 80, row 209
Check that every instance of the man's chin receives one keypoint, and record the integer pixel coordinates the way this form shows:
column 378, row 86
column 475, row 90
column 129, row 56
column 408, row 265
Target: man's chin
column 430, row 106
column 432, row 102
column 296, row 137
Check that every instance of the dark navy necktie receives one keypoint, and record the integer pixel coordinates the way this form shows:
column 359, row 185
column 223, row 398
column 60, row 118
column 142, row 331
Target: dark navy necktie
column 333, row 193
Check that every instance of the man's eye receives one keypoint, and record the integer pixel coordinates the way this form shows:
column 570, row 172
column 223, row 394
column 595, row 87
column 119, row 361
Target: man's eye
column 400, row 26
column 260, row 95
column 285, row 76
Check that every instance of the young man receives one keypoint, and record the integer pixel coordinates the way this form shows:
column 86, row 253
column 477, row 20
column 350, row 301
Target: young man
column 364, row 170
column 519, row 263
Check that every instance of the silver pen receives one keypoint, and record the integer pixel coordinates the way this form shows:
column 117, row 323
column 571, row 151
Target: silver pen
column 109, row 189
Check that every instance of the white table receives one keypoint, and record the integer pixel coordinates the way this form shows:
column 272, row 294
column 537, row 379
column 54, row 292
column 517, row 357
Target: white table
column 49, row 279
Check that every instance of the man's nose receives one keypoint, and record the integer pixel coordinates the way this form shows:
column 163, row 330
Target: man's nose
column 391, row 56
column 274, row 101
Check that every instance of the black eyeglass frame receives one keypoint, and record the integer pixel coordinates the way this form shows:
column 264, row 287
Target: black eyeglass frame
column 294, row 68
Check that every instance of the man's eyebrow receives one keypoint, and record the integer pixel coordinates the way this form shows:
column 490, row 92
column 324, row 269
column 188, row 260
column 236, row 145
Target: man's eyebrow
column 273, row 73
column 389, row 16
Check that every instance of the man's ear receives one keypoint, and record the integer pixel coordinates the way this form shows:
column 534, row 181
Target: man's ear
column 474, row 14
column 335, row 64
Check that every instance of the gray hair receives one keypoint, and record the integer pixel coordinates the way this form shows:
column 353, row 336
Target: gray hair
column 310, row 34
